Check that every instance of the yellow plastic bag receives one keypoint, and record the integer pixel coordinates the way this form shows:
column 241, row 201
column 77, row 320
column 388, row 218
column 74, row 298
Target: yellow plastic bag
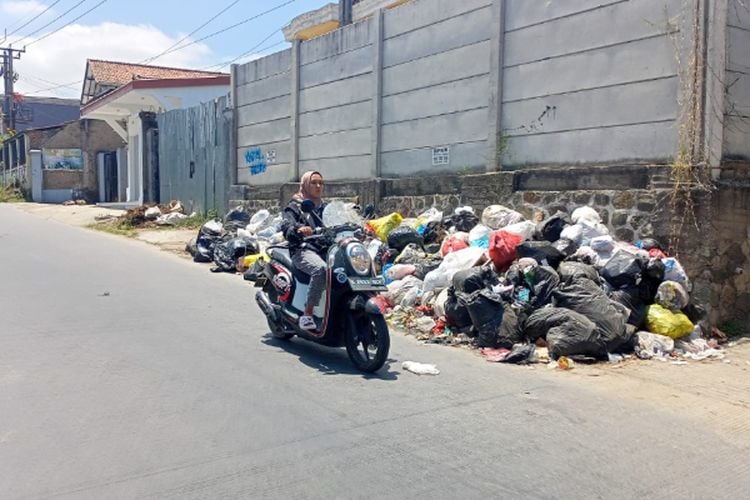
column 664, row 322
column 247, row 261
column 384, row 225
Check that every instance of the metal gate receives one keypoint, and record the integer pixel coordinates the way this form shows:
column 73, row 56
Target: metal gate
column 194, row 157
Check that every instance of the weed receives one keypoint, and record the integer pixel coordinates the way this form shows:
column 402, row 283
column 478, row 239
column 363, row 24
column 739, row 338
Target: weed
column 119, row 226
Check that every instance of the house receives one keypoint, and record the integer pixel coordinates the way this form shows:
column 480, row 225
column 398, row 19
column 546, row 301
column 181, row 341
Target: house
column 127, row 97
column 73, row 160
column 40, row 112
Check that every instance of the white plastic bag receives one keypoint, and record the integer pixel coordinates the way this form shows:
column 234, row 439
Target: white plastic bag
column 451, row 264
column 400, row 271
column 573, row 233
column 397, row 289
column 373, row 246
column 498, row 216
column 602, row 244
column 214, row 226
column 653, row 344
column 438, row 305
column 525, row 229
column 463, row 209
column 152, row 213
column 585, row 213
column 420, row 368
column 673, row 271
column 258, row 220
column 425, row 324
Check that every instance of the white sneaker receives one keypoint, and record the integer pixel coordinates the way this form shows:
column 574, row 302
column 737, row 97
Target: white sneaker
column 307, row 323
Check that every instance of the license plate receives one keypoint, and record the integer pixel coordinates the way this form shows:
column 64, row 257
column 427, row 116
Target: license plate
column 366, row 284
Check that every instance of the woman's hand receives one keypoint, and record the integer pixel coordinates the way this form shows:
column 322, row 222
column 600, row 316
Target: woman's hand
column 305, row 231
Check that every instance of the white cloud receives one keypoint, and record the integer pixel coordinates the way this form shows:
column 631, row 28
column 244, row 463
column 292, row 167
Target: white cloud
column 22, row 7
column 62, row 57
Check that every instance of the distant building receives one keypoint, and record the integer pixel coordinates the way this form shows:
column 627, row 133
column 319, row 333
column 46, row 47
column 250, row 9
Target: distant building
column 39, row 112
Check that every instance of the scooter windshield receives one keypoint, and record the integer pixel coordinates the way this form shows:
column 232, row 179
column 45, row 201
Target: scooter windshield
column 338, row 213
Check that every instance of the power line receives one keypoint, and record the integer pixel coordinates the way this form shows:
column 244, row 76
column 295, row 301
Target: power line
column 51, row 22
column 67, row 24
column 178, row 42
column 70, row 84
column 248, row 52
column 226, row 29
column 34, row 17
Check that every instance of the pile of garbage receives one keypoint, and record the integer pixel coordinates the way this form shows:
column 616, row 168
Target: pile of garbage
column 152, row 214
column 521, row 291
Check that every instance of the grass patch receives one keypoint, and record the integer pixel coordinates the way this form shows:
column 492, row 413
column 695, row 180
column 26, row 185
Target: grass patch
column 119, row 226
column 10, row 194
column 192, row 222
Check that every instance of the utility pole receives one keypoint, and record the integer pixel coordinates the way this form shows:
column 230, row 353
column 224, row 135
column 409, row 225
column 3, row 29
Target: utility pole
column 9, row 77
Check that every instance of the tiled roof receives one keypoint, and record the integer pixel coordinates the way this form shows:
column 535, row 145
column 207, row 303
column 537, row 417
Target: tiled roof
column 117, row 73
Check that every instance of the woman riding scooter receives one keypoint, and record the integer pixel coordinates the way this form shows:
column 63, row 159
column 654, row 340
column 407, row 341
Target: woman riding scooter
column 296, row 226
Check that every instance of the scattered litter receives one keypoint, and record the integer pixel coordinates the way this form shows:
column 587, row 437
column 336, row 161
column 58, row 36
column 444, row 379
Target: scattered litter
column 420, row 368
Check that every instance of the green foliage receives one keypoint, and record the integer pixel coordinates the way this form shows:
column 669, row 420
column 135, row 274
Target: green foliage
column 732, row 328
column 11, row 194
column 119, row 226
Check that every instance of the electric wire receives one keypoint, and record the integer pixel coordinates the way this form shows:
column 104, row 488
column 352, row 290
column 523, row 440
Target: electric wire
column 51, row 22
column 34, row 17
column 67, row 24
column 178, row 42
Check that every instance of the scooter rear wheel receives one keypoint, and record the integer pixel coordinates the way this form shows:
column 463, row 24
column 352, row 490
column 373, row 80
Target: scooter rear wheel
column 276, row 330
column 367, row 341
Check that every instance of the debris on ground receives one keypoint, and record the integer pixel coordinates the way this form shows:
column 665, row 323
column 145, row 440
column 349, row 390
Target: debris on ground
column 420, row 368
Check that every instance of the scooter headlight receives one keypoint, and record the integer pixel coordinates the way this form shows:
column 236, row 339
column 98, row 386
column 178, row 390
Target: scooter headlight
column 359, row 258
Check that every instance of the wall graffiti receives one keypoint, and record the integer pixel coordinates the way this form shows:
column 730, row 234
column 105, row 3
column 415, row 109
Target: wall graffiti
column 256, row 161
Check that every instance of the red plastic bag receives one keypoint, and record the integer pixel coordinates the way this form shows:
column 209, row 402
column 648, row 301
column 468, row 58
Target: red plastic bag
column 503, row 249
column 452, row 244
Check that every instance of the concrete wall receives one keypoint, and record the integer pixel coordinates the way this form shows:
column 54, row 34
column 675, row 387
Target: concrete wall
column 737, row 82
column 590, row 81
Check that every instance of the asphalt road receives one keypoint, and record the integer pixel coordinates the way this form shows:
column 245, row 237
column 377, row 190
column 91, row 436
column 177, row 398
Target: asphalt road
column 126, row 372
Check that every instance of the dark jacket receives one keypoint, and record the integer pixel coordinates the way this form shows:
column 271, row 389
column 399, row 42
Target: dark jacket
column 294, row 218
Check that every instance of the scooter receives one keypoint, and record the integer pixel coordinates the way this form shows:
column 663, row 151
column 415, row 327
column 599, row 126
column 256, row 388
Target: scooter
column 346, row 314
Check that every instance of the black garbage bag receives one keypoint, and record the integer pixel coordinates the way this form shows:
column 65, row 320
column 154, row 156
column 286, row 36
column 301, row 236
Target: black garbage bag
column 473, row 279
column 433, row 233
column 550, row 228
column 230, row 249
column 630, row 297
column 652, row 277
column 464, row 221
column 191, row 246
column 586, row 297
column 401, row 236
column 521, row 354
column 205, row 244
column 543, row 252
column 514, row 275
column 487, row 311
column 695, row 312
column 542, row 281
column 572, row 270
column 623, row 269
column 456, row 312
column 251, row 274
column 565, row 246
column 385, row 255
column 424, row 266
column 567, row 333
column 236, row 218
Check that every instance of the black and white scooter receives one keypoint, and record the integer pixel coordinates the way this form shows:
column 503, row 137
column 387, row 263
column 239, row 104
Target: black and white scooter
column 346, row 315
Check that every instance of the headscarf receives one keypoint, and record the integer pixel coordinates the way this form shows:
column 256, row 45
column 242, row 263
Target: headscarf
column 304, row 187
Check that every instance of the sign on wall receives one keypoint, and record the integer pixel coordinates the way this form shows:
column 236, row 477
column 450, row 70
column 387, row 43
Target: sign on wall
column 62, row 159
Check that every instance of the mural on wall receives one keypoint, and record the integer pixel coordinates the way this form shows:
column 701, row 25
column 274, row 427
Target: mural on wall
column 257, row 161
column 62, row 159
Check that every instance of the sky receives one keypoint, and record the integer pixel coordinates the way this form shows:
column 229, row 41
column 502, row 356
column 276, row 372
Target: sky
column 59, row 35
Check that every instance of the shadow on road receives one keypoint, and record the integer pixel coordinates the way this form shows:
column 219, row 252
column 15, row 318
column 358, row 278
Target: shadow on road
column 327, row 360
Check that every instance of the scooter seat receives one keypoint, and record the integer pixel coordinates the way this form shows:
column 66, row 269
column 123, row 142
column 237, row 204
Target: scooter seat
column 282, row 255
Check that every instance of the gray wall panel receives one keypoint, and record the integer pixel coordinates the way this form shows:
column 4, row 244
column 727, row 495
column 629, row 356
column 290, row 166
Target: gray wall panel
column 272, row 109
column 336, row 67
column 655, row 141
column 466, row 94
column 347, row 143
column 738, row 94
column 738, row 13
column 419, row 161
column 263, row 133
column 641, row 60
column 337, row 93
column 264, row 67
column 459, row 63
column 442, row 130
column 623, row 104
column 267, row 88
column 737, row 137
column 342, row 40
column 520, row 13
column 440, row 37
column 738, row 50
column 418, row 14
column 635, row 19
column 347, row 167
column 352, row 116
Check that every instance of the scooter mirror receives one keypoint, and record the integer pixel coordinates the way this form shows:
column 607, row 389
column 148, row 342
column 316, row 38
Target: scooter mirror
column 308, row 206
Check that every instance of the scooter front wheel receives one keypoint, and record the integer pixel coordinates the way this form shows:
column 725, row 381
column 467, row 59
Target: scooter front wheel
column 367, row 341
